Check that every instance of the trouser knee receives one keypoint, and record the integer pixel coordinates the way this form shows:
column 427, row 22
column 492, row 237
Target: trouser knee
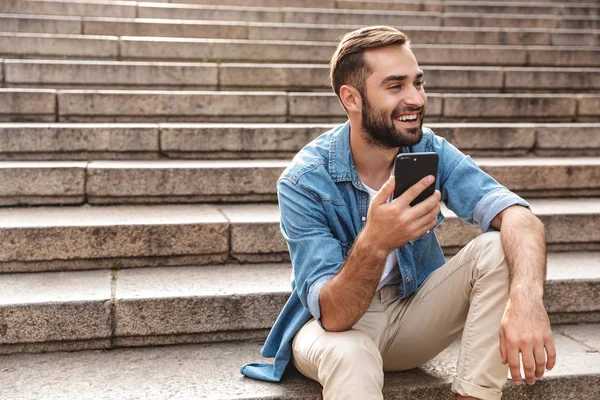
column 353, row 356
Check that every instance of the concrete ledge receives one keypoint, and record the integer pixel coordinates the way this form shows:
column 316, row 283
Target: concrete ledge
column 105, row 74
column 269, row 141
column 41, row 24
column 254, row 76
column 85, row 234
column 27, row 104
column 42, row 183
column 182, row 181
column 79, row 104
column 78, row 141
column 153, row 306
column 131, row 182
column 92, row 8
column 55, row 45
column 188, row 370
column 190, row 49
column 59, row 306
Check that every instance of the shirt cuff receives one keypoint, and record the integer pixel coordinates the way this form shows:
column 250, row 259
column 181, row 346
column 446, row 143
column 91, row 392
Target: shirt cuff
column 492, row 204
column 313, row 297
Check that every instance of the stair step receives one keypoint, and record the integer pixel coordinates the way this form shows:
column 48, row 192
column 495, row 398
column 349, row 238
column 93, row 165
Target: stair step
column 349, row 12
column 165, row 75
column 90, row 237
column 212, row 371
column 418, row 31
column 54, row 311
column 242, row 106
column 36, row 45
column 56, row 141
column 191, row 181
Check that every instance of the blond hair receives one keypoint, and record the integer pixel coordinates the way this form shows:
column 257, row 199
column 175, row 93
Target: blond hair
column 348, row 64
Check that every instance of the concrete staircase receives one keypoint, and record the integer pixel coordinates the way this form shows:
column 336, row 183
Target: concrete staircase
column 140, row 143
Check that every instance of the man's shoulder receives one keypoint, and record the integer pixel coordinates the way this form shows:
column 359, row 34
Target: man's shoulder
column 312, row 159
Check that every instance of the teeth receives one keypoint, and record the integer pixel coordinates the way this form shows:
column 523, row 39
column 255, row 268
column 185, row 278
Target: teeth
column 407, row 118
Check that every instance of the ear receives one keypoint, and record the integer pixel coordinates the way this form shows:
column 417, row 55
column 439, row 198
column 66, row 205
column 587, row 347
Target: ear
column 350, row 98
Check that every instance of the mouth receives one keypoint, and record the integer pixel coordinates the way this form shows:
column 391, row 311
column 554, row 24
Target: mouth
column 408, row 119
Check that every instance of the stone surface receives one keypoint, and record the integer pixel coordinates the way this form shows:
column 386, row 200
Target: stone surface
column 150, row 27
column 88, row 233
column 27, row 104
column 43, row 24
column 510, row 106
column 566, row 139
column 42, row 183
column 254, row 229
column 109, row 73
column 443, row 54
column 237, row 140
column 95, row 8
column 199, row 299
column 55, row 306
column 212, row 371
column 481, row 138
column 58, row 45
column 567, row 79
column 77, row 141
column 121, row 103
column 212, row 50
column 562, row 56
column 541, row 177
column 182, row 181
column 589, row 106
column 211, row 13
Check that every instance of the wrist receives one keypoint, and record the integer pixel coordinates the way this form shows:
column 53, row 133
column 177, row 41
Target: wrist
column 526, row 295
column 371, row 244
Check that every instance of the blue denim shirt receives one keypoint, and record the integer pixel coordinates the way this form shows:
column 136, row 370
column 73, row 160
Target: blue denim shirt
column 324, row 207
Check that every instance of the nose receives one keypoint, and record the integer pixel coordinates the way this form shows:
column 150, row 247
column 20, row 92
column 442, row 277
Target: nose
column 415, row 97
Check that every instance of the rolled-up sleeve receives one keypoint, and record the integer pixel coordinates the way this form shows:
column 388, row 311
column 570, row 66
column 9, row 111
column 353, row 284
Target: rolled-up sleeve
column 315, row 253
column 473, row 195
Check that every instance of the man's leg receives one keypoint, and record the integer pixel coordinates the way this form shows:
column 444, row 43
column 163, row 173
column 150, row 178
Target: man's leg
column 348, row 364
column 470, row 292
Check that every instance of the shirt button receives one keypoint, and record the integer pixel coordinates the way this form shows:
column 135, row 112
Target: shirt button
column 408, row 278
column 364, row 219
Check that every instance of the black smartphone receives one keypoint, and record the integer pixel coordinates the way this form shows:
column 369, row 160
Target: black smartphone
column 410, row 168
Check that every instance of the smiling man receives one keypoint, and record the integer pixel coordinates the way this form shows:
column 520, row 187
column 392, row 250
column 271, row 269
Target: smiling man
column 371, row 289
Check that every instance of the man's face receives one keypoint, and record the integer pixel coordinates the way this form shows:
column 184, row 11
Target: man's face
column 394, row 103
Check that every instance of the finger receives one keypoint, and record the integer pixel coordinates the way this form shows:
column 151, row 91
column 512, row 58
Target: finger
column 514, row 363
column 426, row 206
column 540, row 359
column 528, row 364
column 427, row 221
column 503, row 347
column 416, row 189
column 382, row 196
column 551, row 353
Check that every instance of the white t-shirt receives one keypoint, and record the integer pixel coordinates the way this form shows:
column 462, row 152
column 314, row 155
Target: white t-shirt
column 391, row 272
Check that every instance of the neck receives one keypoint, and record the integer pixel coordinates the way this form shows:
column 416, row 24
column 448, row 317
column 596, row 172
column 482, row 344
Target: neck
column 373, row 163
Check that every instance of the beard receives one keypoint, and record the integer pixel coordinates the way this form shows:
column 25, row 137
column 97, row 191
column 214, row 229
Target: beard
column 382, row 130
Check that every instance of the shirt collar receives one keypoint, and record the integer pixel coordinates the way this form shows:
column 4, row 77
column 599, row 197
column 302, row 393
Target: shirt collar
column 341, row 162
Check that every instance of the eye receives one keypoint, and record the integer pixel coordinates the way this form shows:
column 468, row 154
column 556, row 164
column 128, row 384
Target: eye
column 420, row 83
column 395, row 87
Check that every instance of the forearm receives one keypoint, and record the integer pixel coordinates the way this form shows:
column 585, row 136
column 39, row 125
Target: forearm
column 524, row 243
column 347, row 296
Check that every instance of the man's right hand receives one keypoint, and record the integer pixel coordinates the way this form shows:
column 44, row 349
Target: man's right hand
column 392, row 225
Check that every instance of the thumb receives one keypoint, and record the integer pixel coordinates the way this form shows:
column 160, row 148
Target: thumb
column 385, row 192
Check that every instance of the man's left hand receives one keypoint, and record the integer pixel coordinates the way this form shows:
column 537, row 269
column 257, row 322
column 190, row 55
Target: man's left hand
column 525, row 329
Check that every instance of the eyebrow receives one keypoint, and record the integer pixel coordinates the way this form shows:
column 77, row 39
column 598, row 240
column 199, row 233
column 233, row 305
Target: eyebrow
column 399, row 78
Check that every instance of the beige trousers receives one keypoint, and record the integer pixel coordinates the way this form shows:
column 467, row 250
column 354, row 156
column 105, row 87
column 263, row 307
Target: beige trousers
column 468, row 294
